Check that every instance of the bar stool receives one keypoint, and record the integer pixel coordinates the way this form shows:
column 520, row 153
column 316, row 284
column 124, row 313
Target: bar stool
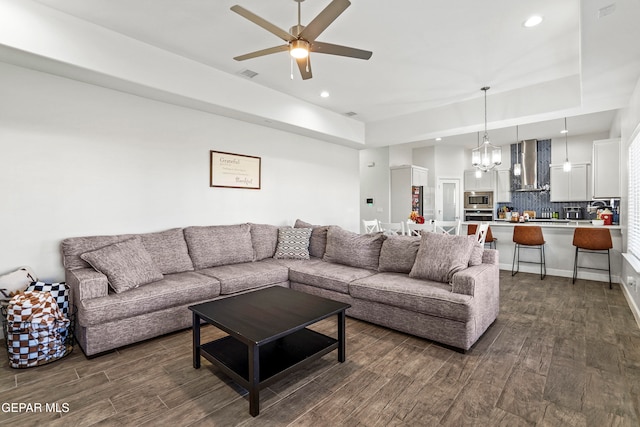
column 592, row 240
column 529, row 237
column 489, row 239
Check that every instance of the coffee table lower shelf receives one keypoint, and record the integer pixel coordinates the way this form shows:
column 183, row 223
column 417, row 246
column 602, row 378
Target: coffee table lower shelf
column 277, row 358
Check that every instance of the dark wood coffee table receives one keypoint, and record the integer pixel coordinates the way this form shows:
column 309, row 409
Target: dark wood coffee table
column 267, row 337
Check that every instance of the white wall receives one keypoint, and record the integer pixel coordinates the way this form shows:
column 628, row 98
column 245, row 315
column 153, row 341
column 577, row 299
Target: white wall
column 374, row 183
column 629, row 128
column 78, row 159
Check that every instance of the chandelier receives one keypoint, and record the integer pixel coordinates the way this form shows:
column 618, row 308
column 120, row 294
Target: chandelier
column 486, row 156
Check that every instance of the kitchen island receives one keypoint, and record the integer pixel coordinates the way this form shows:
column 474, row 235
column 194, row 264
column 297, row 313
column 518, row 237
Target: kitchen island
column 559, row 250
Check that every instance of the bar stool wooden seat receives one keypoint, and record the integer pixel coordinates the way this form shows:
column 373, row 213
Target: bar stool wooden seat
column 488, row 240
column 528, row 237
column 592, row 240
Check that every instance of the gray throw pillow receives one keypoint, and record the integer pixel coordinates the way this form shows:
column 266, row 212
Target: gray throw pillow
column 127, row 264
column 356, row 250
column 318, row 241
column 441, row 256
column 398, row 253
column 293, row 243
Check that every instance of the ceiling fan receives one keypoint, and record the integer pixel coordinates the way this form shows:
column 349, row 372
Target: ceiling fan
column 301, row 40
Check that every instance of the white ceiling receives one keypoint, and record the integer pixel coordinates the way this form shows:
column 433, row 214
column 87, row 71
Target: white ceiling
column 430, row 58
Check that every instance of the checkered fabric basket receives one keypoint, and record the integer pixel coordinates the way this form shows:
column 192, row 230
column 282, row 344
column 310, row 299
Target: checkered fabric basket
column 36, row 330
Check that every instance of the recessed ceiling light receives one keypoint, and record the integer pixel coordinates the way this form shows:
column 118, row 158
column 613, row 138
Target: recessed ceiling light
column 438, row 139
column 533, row 21
column 324, row 94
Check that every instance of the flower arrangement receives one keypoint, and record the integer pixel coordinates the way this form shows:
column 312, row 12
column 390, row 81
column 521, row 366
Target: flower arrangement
column 418, row 219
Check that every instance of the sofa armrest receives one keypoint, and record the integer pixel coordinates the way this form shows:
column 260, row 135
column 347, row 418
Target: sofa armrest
column 470, row 280
column 86, row 283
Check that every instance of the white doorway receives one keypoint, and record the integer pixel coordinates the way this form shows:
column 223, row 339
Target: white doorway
column 448, row 199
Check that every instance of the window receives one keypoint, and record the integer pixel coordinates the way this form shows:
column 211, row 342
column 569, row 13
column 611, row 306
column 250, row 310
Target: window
column 633, row 221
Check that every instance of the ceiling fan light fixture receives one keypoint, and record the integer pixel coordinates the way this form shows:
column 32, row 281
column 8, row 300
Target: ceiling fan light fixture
column 299, row 49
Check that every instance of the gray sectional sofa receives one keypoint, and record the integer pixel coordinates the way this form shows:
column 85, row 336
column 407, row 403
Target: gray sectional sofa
column 132, row 287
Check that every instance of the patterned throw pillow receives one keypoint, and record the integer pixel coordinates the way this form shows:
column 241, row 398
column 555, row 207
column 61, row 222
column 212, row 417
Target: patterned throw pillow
column 59, row 292
column 293, row 243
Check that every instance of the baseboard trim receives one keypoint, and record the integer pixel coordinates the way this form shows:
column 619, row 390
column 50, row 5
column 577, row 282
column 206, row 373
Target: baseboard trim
column 632, row 304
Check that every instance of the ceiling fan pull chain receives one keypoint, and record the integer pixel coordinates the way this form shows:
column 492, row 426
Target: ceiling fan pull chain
column 291, row 68
column 308, row 63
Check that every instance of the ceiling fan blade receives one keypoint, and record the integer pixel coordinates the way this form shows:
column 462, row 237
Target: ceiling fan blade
column 304, row 65
column 336, row 49
column 324, row 19
column 262, row 52
column 273, row 29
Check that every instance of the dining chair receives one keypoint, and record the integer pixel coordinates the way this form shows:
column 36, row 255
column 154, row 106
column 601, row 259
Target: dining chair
column 447, row 227
column 371, row 226
column 392, row 228
column 488, row 237
column 417, row 229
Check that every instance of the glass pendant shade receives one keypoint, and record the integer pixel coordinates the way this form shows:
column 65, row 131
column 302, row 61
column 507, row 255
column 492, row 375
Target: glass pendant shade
column 567, row 164
column 517, row 169
column 475, row 158
column 478, row 173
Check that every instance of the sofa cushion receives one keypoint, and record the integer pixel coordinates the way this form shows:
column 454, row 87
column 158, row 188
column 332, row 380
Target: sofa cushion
column 441, row 256
column 264, row 238
column 400, row 290
column 335, row 277
column 126, row 264
column 219, row 245
column 235, row 278
column 172, row 291
column 293, row 243
column 168, row 250
column 355, row 250
column 398, row 253
column 73, row 247
column 318, row 240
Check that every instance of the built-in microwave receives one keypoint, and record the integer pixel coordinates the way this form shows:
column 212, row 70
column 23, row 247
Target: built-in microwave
column 478, row 199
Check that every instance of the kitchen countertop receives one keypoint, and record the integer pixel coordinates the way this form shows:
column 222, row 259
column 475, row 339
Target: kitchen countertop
column 551, row 223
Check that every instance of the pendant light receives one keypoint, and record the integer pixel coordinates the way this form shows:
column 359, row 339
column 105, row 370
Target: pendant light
column 517, row 167
column 567, row 164
column 478, row 171
column 487, row 156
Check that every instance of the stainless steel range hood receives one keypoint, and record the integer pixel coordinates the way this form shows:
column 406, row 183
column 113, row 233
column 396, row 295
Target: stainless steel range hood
column 529, row 161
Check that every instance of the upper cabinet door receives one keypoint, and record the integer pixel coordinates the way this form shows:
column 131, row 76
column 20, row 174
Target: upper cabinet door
column 572, row 186
column 606, row 169
column 484, row 183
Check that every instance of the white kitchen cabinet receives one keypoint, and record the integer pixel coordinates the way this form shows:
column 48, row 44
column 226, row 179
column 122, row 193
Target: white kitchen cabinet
column 572, row 186
column 606, row 169
column 503, row 186
column 484, row 183
column 402, row 179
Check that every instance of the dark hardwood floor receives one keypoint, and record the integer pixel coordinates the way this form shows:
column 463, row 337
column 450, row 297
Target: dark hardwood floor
column 558, row 355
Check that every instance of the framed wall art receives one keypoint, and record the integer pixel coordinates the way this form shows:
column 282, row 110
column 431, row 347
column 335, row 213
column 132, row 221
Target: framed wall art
column 234, row 170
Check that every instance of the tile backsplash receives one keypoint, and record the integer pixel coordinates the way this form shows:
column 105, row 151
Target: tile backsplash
column 538, row 201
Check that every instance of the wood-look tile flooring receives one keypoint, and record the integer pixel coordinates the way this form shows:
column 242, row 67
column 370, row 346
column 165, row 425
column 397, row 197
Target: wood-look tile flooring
column 558, row 355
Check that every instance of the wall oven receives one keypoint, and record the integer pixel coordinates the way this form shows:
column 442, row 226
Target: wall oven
column 478, row 200
column 478, row 215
